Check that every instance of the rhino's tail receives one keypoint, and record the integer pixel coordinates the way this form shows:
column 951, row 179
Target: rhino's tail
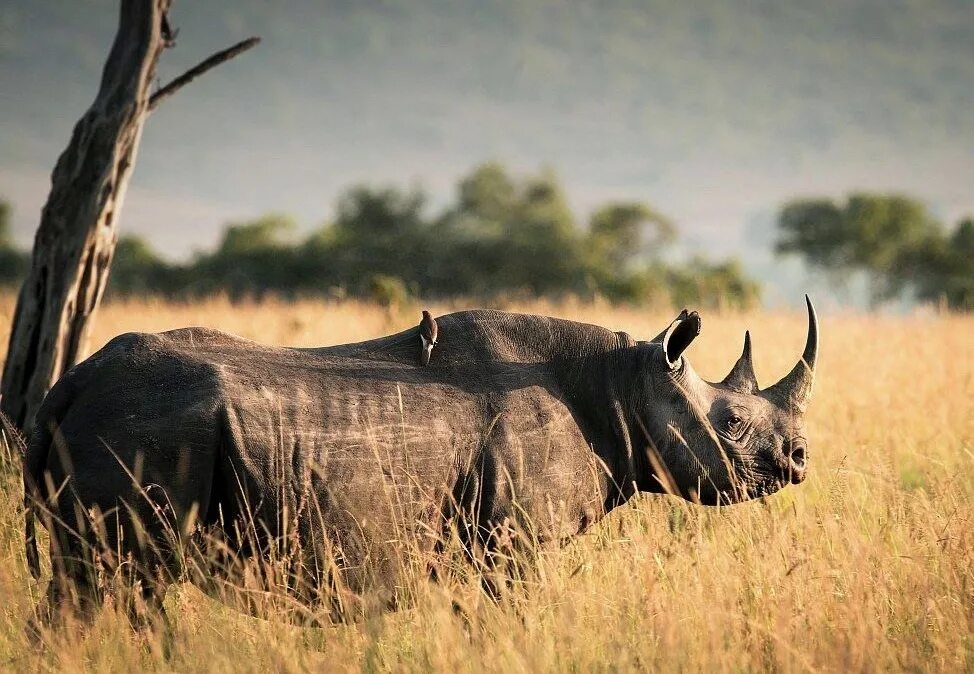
column 35, row 457
column 15, row 437
column 30, row 544
column 36, row 449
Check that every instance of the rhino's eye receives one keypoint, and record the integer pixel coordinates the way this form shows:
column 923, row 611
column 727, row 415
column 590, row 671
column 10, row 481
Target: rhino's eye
column 734, row 424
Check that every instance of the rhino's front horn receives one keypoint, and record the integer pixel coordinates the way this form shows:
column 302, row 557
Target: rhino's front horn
column 795, row 389
column 741, row 377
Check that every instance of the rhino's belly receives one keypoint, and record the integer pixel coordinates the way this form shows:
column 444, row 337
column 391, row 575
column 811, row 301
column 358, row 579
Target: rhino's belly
column 344, row 459
column 540, row 470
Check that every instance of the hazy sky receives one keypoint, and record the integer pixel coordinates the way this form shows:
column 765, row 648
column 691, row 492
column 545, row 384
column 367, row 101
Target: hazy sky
column 714, row 113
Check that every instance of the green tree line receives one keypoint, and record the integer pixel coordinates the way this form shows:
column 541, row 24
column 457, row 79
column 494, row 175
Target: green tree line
column 501, row 236
column 508, row 236
column 894, row 239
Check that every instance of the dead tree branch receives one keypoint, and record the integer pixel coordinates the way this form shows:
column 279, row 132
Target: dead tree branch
column 199, row 69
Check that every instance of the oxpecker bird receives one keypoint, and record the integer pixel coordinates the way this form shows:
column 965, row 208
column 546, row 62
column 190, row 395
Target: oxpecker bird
column 427, row 337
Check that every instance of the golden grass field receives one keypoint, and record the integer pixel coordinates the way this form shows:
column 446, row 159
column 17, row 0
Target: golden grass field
column 867, row 566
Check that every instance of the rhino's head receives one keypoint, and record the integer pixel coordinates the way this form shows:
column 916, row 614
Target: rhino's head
column 729, row 441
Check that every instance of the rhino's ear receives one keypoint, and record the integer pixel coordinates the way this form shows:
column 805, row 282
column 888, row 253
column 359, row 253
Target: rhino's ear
column 658, row 339
column 679, row 335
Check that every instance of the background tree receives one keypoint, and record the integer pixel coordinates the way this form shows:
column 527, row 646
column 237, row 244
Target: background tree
column 471, row 234
column 621, row 233
column 624, row 245
column 513, row 235
column 379, row 233
column 891, row 237
column 542, row 246
column 815, row 229
column 942, row 268
column 253, row 258
column 138, row 270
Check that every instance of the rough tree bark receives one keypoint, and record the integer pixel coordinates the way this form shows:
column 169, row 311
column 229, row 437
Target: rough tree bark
column 76, row 238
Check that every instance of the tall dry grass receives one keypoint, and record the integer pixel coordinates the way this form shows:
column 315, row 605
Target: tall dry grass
column 867, row 566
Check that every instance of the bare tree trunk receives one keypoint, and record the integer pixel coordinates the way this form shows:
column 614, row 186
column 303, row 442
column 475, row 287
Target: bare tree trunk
column 76, row 238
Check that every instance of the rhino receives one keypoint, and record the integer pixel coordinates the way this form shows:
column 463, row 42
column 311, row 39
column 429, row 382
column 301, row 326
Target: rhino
column 520, row 423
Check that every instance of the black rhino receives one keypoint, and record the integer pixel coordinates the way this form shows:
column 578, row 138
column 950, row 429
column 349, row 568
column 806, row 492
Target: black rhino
column 517, row 420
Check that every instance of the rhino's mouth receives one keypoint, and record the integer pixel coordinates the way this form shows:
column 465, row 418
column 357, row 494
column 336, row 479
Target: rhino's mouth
column 746, row 491
column 764, row 487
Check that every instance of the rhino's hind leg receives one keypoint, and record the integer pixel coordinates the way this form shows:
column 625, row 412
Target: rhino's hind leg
column 67, row 602
column 119, row 556
column 73, row 594
column 76, row 603
column 147, row 616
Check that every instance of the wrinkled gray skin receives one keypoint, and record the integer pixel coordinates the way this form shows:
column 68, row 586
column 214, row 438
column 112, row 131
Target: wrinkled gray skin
column 518, row 422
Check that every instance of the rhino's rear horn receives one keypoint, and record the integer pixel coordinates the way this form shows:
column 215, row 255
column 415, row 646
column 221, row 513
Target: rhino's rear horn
column 679, row 335
column 795, row 389
column 741, row 377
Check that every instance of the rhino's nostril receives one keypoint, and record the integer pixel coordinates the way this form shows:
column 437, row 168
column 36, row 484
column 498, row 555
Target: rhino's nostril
column 796, row 462
column 798, row 457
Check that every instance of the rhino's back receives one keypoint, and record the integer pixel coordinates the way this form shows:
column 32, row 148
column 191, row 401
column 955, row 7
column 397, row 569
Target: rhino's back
column 170, row 383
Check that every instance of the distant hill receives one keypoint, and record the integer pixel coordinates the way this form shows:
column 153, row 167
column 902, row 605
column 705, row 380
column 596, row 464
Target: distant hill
column 713, row 112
